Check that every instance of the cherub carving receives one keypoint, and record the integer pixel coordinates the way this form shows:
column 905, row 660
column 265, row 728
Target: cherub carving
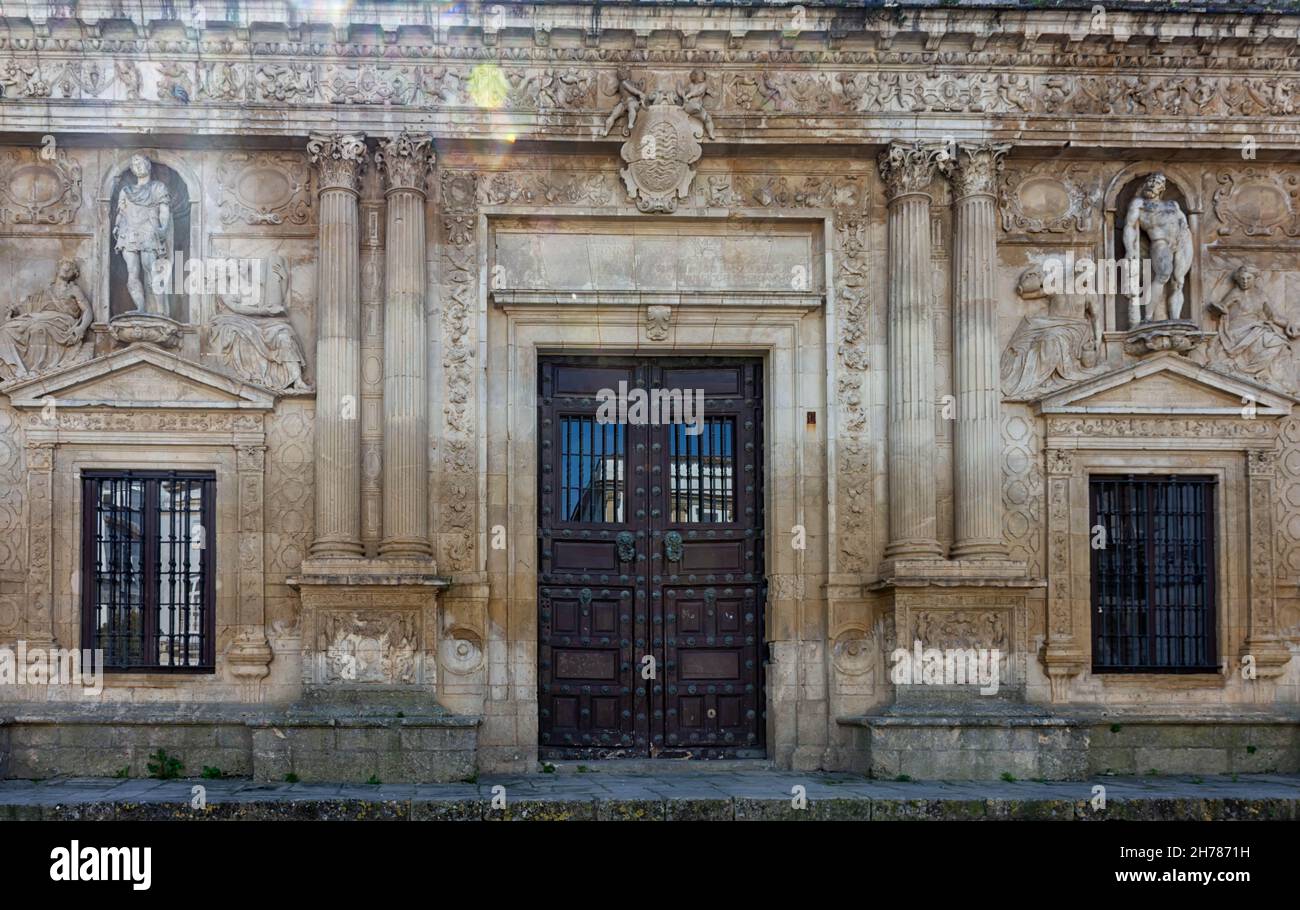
column 631, row 95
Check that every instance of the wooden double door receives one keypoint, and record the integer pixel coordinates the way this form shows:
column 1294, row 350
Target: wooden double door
column 650, row 546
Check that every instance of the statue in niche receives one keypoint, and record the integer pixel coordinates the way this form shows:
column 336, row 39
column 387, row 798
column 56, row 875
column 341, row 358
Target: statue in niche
column 252, row 337
column 48, row 328
column 1254, row 338
column 1169, row 247
column 1055, row 348
column 142, row 233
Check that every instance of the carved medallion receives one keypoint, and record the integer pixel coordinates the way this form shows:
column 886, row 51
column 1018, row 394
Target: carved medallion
column 659, row 153
column 264, row 189
column 38, row 191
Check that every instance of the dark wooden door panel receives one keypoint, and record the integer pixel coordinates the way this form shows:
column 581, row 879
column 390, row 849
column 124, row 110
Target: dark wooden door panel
column 650, row 575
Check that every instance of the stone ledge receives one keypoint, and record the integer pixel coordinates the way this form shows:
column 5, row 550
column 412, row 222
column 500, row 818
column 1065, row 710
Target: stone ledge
column 757, row 796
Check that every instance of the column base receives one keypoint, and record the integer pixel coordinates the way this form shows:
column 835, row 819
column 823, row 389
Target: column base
column 337, row 548
column 911, row 572
column 914, row 548
column 977, row 549
column 369, row 629
column 404, row 548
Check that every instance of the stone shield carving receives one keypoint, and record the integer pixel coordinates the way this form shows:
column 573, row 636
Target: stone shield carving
column 660, row 153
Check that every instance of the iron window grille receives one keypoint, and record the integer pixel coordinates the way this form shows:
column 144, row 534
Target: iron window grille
column 1153, row 579
column 148, row 583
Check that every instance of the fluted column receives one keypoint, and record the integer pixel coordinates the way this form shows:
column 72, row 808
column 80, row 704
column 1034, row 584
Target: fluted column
column 977, row 442
column 405, row 162
column 908, row 171
column 340, row 161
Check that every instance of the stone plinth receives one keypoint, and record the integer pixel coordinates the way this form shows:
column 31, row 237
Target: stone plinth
column 1177, row 335
column 369, row 628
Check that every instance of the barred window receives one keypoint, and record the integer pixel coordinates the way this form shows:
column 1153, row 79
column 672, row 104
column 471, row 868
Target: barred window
column 1153, row 585
column 148, row 551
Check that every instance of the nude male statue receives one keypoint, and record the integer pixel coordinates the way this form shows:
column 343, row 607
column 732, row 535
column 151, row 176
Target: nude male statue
column 143, row 234
column 1169, row 245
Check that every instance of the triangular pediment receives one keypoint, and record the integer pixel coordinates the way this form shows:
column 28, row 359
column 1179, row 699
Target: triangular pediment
column 1167, row 384
column 139, row 376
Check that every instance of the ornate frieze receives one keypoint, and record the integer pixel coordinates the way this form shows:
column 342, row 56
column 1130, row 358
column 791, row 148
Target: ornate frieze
column 587, row 80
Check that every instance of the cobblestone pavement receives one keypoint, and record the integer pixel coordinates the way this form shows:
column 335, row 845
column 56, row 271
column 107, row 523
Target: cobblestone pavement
column 707, row 795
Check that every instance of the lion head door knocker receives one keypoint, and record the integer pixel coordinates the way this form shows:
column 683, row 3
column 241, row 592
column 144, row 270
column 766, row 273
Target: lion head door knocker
column 673, row 546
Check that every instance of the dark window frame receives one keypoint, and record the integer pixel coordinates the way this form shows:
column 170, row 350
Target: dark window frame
column 151, row 571
column 1144, row 582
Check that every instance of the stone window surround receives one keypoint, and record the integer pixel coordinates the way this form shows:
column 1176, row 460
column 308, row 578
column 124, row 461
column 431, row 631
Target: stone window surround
column 70, row 461
column 1232, row 519
column 1229, row 470
column 508, row 434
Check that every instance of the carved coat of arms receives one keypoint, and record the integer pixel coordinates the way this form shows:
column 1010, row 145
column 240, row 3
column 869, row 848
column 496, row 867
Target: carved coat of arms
column 659, row 152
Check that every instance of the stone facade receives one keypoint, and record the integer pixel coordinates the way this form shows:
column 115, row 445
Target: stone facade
column 871, row 201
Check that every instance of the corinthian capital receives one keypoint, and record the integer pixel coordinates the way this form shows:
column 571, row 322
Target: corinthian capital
column 975, row 170
column 908, row 167
column 405, row 161
column 340, row 158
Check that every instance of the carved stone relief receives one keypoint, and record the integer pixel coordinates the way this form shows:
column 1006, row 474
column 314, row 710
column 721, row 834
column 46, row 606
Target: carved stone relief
column 35, row 189
column 369, row 647
column 663, row 144
column 1052, row 349
column 459, row 195
column 1257, row 202
column 265, row 189
column 251, row 336
column 1048, row 199
column 1254, row 337
column 46, row 329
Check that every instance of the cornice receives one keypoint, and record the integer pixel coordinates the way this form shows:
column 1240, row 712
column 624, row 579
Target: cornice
column 400, row 27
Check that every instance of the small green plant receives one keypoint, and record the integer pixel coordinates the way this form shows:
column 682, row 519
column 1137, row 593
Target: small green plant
column 903, row 778
column 583, row 769
column 1197, row 780
column 1008, row 777
column 1115, row 728
column 548, row 768
column 1251, row 750
column 124, row 771
column 374, row 780
column 211, row 773
column 472, row 779
column 1153, row 772
column 401, row 713
column 291, row 778
column 164, row 766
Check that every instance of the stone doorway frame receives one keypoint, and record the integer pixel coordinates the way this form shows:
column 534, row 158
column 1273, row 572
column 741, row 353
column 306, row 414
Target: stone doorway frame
column 790, row 336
